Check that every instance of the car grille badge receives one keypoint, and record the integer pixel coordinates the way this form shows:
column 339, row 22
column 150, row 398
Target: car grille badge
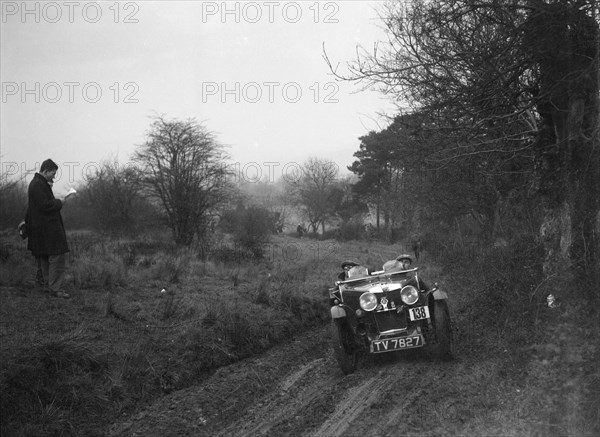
column 384, row 302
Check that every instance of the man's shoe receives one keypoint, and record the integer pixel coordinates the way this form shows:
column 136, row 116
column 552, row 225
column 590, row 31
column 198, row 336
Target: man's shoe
column 60, row 294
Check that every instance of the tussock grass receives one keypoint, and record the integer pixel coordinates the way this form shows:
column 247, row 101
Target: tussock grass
column 51, row 385
column 17, row 272
column 168, row 269
column 16, row 264
column 70, row 367
column 90, row 273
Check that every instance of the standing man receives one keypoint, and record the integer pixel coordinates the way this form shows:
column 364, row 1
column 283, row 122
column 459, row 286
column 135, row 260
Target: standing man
column 47, row 239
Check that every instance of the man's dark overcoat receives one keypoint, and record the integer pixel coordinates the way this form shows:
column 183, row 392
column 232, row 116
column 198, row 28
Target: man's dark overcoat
column 45, row 229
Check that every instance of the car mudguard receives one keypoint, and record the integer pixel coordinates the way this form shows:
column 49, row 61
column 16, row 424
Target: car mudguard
column 439, row 295
column 337, row 312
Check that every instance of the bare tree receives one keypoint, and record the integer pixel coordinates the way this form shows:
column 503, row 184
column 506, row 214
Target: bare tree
column 184, row 167
column 112, row 196
column 316, row 191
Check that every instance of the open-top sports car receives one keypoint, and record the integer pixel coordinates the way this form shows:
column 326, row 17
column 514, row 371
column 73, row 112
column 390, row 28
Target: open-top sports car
column 386, row 311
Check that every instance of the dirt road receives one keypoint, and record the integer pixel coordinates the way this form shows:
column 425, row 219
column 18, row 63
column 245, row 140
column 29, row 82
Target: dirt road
column 297, row 389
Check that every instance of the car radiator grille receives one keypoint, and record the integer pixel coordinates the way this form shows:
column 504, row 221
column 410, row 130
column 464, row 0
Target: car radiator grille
column 390, row 321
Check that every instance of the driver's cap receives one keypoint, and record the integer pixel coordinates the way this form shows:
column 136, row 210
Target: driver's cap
column 404, row 256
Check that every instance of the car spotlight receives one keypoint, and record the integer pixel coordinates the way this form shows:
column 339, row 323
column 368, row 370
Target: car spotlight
column 368, row 301
column 409, row 295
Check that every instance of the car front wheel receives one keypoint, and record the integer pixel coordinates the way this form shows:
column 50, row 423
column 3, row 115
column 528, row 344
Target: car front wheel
column 443, row 331
column 343, row 345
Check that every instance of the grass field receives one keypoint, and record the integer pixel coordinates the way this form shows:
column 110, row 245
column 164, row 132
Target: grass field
column 146, row 318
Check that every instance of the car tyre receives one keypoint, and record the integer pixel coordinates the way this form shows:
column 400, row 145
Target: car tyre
column 443, row 348
column 343, row 346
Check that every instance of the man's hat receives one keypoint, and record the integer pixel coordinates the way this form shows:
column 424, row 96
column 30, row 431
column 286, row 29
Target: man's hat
column 404, row 256
column 349, row 264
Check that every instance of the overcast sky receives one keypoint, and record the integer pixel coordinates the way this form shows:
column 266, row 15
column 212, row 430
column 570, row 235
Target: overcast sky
column 81, row 79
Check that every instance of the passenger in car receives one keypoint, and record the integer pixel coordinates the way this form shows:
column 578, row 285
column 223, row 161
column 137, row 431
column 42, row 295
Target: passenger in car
column 401, row 263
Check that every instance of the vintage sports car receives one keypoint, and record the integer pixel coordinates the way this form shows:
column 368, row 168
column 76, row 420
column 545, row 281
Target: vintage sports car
column 386, row 311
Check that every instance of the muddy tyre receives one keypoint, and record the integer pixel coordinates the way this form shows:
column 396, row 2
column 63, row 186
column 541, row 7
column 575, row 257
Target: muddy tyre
column 443, row 347
column 343, row 346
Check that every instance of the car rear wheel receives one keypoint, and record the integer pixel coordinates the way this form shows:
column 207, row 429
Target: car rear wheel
column 343, row 345
column 442, row 349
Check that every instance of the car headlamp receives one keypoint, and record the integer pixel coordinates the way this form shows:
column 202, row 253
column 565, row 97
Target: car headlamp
column 368, row 301
column 409, row 295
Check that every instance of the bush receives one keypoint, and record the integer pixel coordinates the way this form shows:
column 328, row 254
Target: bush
column 227, row 255
column 507, row 299
column 228, row 221
column 331, row 234
column 13, row 203
column 110, row 201
column 253, row 230
column 352, row 231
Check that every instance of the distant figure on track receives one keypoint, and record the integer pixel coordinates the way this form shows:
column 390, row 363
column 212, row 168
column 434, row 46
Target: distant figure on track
column 416, row 247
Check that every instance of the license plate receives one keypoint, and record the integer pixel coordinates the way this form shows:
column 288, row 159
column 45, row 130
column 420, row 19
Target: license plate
column 394, row 344
column 419, row 313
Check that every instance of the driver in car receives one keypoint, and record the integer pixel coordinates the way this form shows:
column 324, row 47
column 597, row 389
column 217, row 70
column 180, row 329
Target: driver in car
column 352, row 270
column 401, row 263
column 405, row 260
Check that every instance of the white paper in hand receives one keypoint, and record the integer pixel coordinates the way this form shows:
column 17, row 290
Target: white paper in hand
column 69, row 193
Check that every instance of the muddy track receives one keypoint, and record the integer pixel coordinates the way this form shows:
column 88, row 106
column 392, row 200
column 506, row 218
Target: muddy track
column 296, row 389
